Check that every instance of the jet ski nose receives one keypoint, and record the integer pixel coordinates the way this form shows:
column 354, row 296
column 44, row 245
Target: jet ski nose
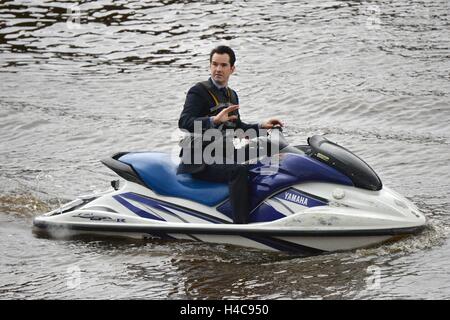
column 400, row 207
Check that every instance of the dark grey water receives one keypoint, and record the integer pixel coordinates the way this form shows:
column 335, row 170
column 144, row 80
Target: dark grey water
column 80, row 83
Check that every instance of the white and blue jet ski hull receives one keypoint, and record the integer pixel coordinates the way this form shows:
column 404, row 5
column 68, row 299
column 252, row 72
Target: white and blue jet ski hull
column 136, row 212
column 320, row 198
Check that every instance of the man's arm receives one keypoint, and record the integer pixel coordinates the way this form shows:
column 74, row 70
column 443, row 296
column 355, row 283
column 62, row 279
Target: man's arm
column 195, row 109
column 246, row 126
column 243, row 125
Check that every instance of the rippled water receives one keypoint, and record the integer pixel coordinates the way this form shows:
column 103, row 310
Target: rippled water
column 82, row 80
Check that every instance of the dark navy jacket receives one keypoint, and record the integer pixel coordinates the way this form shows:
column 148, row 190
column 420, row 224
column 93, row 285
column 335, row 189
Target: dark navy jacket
column 197, row 108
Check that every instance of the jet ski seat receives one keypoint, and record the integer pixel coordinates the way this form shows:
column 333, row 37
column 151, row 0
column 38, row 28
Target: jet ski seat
column 158, row 171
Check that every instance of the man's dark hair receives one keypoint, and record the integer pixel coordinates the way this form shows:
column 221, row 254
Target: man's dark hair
column 222, row 50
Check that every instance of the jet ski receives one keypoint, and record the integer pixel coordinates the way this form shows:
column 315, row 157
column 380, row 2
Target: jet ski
column 318, row 197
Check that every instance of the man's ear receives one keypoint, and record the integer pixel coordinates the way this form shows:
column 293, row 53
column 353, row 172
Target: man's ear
column 232, row 69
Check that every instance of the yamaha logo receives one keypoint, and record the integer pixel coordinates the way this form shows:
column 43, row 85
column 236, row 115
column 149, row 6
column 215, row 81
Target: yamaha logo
column 296, row 198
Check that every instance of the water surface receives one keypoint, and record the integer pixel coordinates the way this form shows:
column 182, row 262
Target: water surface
column 78, row 83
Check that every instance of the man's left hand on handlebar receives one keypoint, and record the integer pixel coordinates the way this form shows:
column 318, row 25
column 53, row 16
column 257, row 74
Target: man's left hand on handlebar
column 270, row 123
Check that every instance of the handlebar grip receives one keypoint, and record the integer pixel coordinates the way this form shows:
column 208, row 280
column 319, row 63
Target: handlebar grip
column 278, row 127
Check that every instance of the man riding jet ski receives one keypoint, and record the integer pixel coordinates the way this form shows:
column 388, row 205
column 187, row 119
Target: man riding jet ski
column 212, row 107
column 307, row 199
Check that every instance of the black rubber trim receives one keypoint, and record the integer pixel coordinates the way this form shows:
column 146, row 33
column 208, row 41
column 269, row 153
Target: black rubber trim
column 244, row 231
column 122, row 169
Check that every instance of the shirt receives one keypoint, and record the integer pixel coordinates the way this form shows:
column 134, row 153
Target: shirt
column 223, row 89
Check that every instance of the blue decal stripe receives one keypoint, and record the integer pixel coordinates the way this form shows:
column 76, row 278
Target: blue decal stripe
column 157, row 204
column 265, row 213
column 287, row 246
column 136, row 210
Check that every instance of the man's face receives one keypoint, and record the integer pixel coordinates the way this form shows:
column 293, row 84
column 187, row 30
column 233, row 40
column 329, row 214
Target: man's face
column 221, row 68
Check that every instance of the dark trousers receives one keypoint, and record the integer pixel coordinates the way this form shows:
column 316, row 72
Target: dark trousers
column 236, row 175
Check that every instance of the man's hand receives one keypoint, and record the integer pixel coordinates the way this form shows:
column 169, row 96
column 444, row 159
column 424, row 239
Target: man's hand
column 272, row 122
column 223, row 115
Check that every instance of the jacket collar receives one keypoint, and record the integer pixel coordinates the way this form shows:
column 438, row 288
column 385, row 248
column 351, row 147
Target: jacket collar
column 216, row 84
